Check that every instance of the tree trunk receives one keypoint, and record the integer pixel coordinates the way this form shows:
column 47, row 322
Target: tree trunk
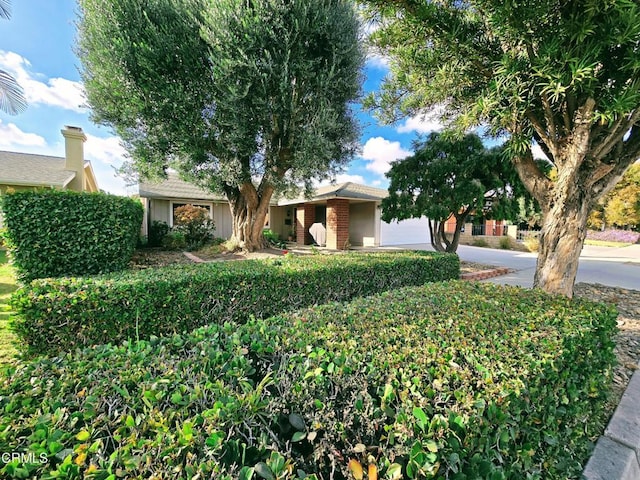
column 564, row 229
column 248, row 213
column 439, row 240
column 436, row 241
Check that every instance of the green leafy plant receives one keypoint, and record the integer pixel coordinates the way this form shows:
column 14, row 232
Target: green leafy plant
column 62, row 314
column 273, row 239
column 157, row 232
column 445, row 380
column 174, row 241
column 479, row 242
column 505, row 243
column 54, row 233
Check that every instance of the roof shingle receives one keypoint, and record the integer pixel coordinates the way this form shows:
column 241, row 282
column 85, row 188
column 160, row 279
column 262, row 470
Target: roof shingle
column 33, row 170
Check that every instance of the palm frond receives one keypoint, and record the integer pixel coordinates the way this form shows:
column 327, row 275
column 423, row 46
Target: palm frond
column 5, row 9
column 12, row 99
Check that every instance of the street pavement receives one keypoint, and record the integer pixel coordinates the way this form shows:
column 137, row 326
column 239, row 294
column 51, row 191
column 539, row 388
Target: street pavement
column 612, row 266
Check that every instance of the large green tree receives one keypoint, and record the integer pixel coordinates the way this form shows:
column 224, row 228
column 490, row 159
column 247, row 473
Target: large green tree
column 451, row 177
column 243, row 98
column 562, row 73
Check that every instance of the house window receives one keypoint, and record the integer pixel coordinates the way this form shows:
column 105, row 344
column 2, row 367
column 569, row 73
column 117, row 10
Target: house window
column 176, row 205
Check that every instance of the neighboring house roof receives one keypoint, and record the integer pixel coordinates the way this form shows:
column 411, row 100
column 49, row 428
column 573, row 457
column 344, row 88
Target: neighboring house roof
column 174, row 187
column 26, row 169
column 349, row 190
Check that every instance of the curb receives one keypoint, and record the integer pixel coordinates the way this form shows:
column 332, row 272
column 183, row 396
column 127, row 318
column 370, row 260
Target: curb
column 617, row 453
column 484, row 274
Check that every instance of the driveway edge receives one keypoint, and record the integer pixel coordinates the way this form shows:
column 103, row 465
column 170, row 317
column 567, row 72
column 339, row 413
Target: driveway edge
column 617, row 453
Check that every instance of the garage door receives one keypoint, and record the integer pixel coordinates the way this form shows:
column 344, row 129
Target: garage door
column 405, row 232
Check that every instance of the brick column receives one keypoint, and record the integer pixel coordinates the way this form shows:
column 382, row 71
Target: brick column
column 337, row 223
column 305, row 217
column 489, row 225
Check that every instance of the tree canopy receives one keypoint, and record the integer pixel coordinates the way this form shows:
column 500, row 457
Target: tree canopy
column 449, row 177
column 243, row 98
column 563, row 74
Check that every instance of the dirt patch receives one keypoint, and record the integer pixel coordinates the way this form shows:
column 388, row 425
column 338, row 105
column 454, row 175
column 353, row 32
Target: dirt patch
column 153, row 258
column 472, row 267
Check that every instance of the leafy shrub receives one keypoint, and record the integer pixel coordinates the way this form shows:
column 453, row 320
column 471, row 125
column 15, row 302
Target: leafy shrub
column 174, row 241
column 63, row 314
column 157, row 232
column 194, row 223
column 450, row 380
column 622, row 236
column 532, row 243
column 505, row 243
column 53, row 233
column 479, row 242
column 273, row 239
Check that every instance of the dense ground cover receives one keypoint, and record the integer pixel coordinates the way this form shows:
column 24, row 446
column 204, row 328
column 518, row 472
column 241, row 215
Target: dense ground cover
column 65, row 313
column 448, row 380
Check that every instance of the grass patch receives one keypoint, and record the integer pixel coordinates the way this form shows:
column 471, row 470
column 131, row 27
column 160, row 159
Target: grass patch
column 605, row 243
column 7, row 286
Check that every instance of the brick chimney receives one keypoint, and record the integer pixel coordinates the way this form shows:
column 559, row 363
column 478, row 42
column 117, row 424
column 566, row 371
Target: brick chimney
column 74, row 139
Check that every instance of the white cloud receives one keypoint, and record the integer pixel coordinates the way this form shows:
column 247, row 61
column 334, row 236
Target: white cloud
column 376, row 183
column 381, row 152
column 56, row 92
column 375, row 60
column 11, row 137
column 106, row 150
column 424, row 123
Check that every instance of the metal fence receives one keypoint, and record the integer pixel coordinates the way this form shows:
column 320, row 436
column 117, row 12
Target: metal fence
column 496, row 231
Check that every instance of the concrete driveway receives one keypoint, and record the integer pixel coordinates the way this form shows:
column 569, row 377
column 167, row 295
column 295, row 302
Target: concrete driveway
column 616, row 267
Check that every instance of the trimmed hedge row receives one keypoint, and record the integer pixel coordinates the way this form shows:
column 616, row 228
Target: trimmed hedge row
column 55, row 233
column 454, row 380
column 62, row 314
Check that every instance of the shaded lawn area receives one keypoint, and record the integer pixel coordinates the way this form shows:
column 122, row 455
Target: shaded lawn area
column 7, row 286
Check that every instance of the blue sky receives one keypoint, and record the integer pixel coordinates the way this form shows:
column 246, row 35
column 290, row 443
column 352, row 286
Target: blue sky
column 37, row 48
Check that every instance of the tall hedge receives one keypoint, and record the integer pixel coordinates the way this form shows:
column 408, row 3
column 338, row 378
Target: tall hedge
column 56, row 233
column 62, row 314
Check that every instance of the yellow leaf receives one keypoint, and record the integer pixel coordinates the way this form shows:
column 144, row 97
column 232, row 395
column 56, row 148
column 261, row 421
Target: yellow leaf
column 92, row 468
column 80, row 459
column 356, row 469
column 372, row 472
